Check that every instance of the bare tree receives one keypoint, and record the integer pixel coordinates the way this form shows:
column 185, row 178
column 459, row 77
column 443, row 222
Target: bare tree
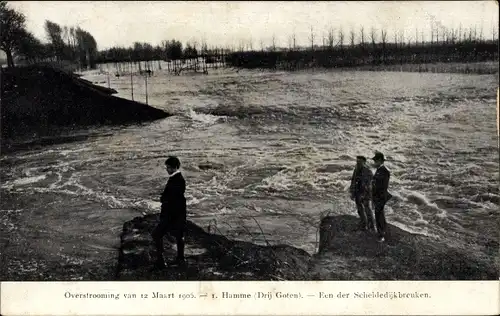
column 311, row 38
column 331, row 38
column 416, row 36
column 294, row 40
column 383, row 37
column 72, row 34
column 290, row 41
column 373, row 36
column 402, row 37
column 494, row 33
column 203, row 47
column 273, row 45
column 362, row 35
column 432, row 33
column 250, row 43
column 261, row 45
column 195, row 51
column 65, row 34
column 241, row 46
column 352, row 37
column 54, row 35
column 341, row 38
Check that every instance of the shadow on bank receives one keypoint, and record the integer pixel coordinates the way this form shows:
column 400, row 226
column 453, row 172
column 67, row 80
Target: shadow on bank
column 344, row 254
column 43, row 105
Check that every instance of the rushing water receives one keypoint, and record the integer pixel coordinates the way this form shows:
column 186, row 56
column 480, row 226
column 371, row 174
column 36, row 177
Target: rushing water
column 275, row 149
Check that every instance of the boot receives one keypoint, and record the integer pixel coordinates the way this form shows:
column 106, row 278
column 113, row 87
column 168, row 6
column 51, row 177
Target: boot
column 179, row 261
column 160, row 262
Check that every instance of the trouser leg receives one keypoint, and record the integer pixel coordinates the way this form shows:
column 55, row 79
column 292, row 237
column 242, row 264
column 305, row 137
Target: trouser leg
column 368, row 213
column 179, row 236
column 380, row 218
column 157, row 235
column 361, row 212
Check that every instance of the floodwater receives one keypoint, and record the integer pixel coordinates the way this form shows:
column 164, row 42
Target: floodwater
column 264, row 154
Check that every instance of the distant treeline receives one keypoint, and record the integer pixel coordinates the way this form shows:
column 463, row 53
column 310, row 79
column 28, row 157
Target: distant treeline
column 366, row 54
column 339, row 49
column 168, row 50
column 64, row 43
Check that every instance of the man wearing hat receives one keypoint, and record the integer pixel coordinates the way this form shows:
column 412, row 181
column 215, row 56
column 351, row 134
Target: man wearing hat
column 380, row 194
column 360, row 192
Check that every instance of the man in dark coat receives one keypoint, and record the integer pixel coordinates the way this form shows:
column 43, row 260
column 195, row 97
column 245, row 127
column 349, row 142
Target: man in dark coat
column 360, row 190
column 380, row 193
column 173, row 213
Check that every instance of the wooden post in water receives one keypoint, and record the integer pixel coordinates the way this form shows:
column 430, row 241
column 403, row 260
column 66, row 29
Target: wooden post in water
column 146, row 81
column 131, row 80
column 109, row 85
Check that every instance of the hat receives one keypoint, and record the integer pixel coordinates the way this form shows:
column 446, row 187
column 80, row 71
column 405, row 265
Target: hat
column 378, row 156
column 361, row 157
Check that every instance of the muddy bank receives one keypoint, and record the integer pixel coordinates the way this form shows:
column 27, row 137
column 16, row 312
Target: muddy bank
column 344, row 254
column 41, row 101
column 209, row 256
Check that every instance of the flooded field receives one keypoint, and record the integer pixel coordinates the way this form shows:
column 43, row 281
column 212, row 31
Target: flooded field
column 275, row 149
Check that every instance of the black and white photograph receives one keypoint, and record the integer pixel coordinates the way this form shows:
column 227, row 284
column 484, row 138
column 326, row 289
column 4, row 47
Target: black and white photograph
column 249, row 141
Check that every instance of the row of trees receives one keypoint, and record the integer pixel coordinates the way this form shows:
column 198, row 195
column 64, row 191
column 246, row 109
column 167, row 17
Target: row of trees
column 361, row 41
column 141, row 52
column 351, row 56
column 63, row 43
column 355, row 48
column 71, row 44
column 79, row 46
column 167, row 50
column 364, row 37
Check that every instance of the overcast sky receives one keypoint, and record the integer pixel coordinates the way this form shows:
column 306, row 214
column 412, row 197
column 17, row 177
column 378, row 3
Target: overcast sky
column 228, row 23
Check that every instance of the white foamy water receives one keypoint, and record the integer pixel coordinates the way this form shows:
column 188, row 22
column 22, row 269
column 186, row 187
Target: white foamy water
column 277, row 149
column 23, row 181
column 205, row 118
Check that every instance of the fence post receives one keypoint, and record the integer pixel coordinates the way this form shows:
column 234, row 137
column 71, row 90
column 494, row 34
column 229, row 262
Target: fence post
column 146, row 80
column 107, row 68
column 131, row 81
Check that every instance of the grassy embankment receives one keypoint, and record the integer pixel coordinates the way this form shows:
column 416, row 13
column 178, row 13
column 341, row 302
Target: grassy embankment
column 40, row 103
column 344, row 253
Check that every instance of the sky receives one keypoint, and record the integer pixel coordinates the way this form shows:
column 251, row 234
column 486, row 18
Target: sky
column 231, row 23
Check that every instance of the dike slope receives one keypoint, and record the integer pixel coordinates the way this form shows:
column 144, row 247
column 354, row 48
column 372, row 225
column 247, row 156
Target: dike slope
column 40, row 101
column 344, row 254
